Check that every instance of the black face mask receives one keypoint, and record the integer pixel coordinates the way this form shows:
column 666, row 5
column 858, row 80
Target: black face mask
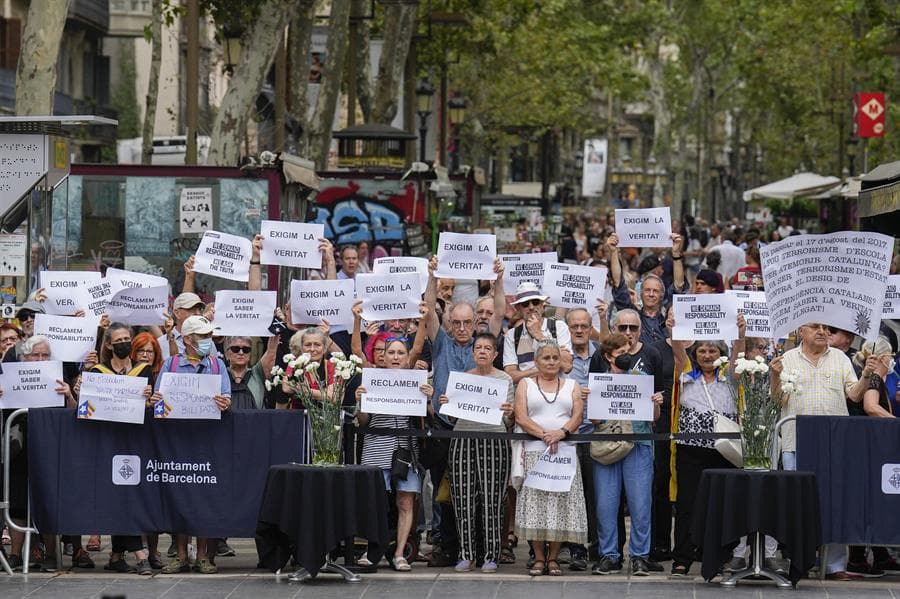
column 623, row 362
column 122, row 350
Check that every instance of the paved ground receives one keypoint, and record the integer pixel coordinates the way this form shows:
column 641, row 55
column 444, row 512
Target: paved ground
column 238, row 579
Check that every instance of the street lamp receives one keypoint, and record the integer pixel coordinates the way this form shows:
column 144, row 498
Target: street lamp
column 457, row 108
column 424, row 106
column 233, row 48
column 851, row 155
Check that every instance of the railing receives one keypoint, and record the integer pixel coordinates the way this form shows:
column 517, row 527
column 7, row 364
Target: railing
column 4, row 505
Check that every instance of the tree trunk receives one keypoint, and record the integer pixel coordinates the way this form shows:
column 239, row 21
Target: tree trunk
column 300, row 44
column 153, row 83
column 36, row 71
column 401, row 21
column 361, row 57
column 662, row 115
column 335, row 56
column 263, row 37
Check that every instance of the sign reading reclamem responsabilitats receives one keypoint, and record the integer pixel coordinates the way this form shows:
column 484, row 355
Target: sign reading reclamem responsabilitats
column 139, row 306
column 553, row 472
column 644, row 227
column 223, row 255
column 466, row 256
column 71, row 338
column 707, row 316
column 394, row 392
column 315, row 301
column 291, row 244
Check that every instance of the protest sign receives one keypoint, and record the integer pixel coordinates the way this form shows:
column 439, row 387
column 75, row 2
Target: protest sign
column 837, row 279
column 67, row 290
column 395, row 392
column 505, row 234
column 553, row 472
column 127, row 279
column 195, row 210
column 112, row 397
column 246, row 313
column 98, row 294
column 291, row 244
column 70, row 338
column 188, row 396
column 394, row 264
column 475, row 398
column 31, row 385
column 139, row 306
column 892, row 298
column 752, row 304
column 524, row 267
column 644, row 227
column 573, row 286
column 315, row 301
column 389, row 296
column 223, row 255
column 708, row 316
column 462, row 256
column 620, row 397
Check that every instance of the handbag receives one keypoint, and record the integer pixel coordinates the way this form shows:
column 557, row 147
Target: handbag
column 610, row 452
column 402, row 460
column 730, row 449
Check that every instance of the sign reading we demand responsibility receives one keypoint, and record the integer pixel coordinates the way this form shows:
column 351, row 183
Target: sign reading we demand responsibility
column 223, row 255
column 707, row 316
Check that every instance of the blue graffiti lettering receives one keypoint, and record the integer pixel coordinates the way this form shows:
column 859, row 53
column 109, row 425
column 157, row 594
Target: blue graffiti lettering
column 358, row 219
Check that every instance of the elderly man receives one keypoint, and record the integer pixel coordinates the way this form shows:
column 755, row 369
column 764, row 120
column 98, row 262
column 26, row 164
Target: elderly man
column 519, row 343
column 828, row 381
column 185, row 305
column 25, row 316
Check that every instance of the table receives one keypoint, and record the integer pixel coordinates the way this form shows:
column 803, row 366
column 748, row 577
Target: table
column 308, row 510
column 732, row 503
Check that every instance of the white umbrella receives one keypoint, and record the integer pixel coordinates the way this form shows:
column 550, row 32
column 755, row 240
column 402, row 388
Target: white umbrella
column 796, row 186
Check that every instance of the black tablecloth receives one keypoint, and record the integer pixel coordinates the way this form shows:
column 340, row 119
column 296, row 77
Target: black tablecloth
column 308, row 510
column 781, row 504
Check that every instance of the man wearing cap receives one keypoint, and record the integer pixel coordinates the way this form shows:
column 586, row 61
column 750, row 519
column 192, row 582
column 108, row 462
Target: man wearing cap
column 197, row 357
column 25, row 316
column 708, row 281
column 186, row 305
column 518, row 345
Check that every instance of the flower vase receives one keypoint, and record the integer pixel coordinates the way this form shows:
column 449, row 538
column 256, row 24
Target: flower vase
column 756, row 442
column 327, row 443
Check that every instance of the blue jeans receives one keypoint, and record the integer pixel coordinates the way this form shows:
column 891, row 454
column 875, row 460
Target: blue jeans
column 636, row 471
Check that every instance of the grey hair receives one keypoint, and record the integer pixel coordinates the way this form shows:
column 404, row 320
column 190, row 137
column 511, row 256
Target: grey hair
column 652, row 276
column 230, row 340
column 459, row 305
column 627, row 311
column 29, row 344
column 719, row 345
column 298, row 337
column 540, row 346
column 575, row 310
column 880, row 347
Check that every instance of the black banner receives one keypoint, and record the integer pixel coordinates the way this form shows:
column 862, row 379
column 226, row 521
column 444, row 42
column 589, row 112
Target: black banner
column 857, row 464
column 202, row 477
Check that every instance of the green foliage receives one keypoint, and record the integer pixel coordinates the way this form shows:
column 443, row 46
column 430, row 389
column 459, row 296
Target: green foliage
column 124, row 96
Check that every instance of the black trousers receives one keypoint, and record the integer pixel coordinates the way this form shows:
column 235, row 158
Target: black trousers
column 121, row 544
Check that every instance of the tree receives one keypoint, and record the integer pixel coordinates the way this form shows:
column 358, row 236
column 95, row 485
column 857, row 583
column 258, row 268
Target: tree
column 154, row 35
column 36, row 70
column 400, row 21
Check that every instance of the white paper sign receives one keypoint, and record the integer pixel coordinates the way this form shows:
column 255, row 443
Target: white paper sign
column 112, row 397
column 31, row 385
column 70, row 338
column 291, row 244
column 396, row 264
column 475, row 398
column 837, row 279
column 464, row 256
column 752, row 304
column 13, row 250
column 246, row 313
column 554, row 472
column 505, row 234
column 142, row 306
column 892, row 298
column 644, row 227
column 525, row 267
column 98, row 294
column 67, row 290
column 188, row 396
column 315, row 301
column 573, row 285
column 223, row 255
column 394, row 392
column 620, row 397
column 389, row 296
column 708, row 316
column 195, row 213
column 127, row 279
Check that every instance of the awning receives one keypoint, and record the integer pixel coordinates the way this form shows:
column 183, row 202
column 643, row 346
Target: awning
column 299, row 170
column 801, row 185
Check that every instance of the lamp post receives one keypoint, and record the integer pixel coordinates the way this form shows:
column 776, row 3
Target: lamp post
column 233, row 48
column 424, row 107
column 457, row 106
column 851, row 155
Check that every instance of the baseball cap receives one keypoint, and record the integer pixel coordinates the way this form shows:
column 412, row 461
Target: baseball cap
column 188, row 300
column 527, row 291
column 31, row 306
column 196, row 325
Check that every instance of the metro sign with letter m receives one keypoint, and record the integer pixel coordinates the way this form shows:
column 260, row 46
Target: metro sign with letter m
column 869, row 109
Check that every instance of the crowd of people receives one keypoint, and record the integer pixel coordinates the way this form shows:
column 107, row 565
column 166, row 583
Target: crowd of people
column 546, row 356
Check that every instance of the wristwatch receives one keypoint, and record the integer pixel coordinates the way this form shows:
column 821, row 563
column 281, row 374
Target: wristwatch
column 681, row 257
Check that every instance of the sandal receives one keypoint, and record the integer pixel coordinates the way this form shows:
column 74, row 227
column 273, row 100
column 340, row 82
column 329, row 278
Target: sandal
column 513, row 539
column 93, row 543
column 535, row 570
column 401, row 565
column 507, row 556
column 553, row 571
column 679, row 570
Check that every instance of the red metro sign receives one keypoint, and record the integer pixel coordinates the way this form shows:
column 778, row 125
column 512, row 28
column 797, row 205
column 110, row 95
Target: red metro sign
column 869, row 109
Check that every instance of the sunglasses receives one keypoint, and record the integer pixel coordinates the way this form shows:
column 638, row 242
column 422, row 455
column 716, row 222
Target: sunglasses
column 239, row 349
column 392, row 339
column 533, row 302
column 628, row 327
column 26, row 316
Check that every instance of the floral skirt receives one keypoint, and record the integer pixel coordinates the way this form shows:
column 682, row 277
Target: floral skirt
column 553, row 517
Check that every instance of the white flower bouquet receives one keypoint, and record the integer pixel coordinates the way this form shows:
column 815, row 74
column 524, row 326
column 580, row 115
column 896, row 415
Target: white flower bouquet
column 758, row 410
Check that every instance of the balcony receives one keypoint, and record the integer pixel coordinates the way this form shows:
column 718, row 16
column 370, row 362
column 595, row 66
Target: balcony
column 91, row 14
column 127, row 18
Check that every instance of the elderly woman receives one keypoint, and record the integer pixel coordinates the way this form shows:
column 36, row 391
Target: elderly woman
column 312, row 341
column 706, row 387
column 549, row 408
column 10, row 335
column 479, row 470
column 248, row 387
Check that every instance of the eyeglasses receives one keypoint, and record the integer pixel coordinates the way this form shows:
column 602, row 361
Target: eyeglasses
column 398, row 338
column 461, row 324
column 239, row 349
column 628, row 327
column 378, row 350
column 143, row 351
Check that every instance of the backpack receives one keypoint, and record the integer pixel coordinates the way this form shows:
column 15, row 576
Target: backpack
column 552, row 326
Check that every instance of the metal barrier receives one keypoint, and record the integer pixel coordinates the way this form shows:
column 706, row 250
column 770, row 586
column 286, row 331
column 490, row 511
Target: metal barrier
column 4, row 505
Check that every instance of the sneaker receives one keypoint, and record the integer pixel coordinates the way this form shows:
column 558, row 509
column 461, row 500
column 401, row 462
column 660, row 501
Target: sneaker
column 68, row 549
column 81, row 559
column 224, row 550
column 15, row 562
column 172, row 551
column 888, row 566
column 463, row 565
column 579, row 559
column 204, row 566
column 155, row 561
column 48, row 564
column 142, row 568
column 176, row 566
column 565, row 555
column 864, row 570
column 120, row 565
column 781, row 566
column 735, row 564
column 639, row 567
column 489, row 567
column 607, row 565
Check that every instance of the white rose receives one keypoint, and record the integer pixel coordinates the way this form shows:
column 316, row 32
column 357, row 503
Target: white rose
column 338, row 355
column 268, row 385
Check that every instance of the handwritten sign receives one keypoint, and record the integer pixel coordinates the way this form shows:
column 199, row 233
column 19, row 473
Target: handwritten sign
column 142, row 306
column 524, row 267
column 464, row 256
column 188, row 396
column 111, row 397
column 394, row 392
column 247, row 313
column 31, row 385
column 620, row 397
column 573, row 286
column 389, row 296
column 892, row 298
column 752, row 304
column 837, row 279
column 475, row 398
column 98, row 297
column 708, row 316
column 397, row 264
column 315, row 301
column 644, row 227
column 70, row 338
column 223, row 255
column 67, row 290
column 195, row 212
column 554, row 472
column 291, row 244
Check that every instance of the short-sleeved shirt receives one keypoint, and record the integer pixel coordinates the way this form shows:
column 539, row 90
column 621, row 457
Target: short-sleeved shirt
column 203, row 367
column 448, row 356
column 523, row 356
column 695, row 414
column 164, row 343
column 580, row 374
